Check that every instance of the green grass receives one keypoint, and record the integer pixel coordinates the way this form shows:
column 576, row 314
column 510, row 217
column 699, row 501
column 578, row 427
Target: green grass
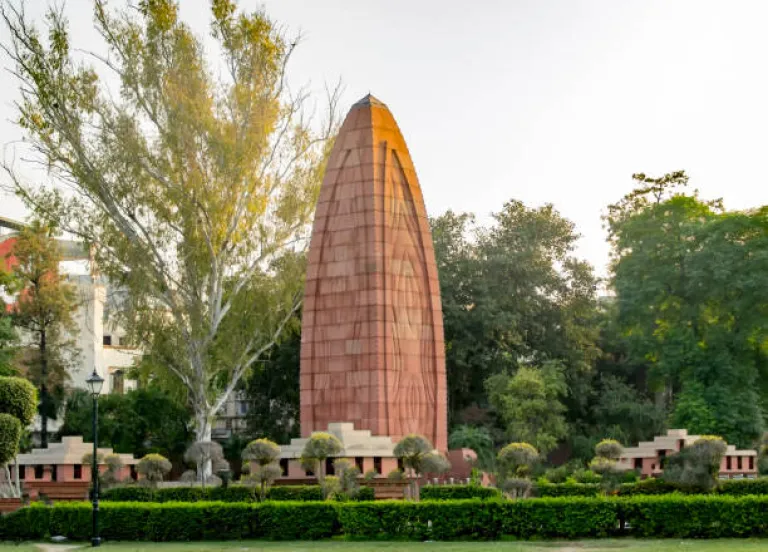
column 608, row 545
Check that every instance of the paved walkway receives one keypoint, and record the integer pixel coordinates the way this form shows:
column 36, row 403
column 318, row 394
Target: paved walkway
column 46, row 547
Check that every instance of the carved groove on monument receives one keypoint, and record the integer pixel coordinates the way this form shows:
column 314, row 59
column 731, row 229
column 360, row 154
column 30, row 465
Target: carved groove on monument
column 412, row 389
column 321, row 382
column 384, row 147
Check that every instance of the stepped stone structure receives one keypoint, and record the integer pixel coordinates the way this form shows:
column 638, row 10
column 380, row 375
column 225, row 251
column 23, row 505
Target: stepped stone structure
column 368, row 452
column 648, row 456
column 372, row 351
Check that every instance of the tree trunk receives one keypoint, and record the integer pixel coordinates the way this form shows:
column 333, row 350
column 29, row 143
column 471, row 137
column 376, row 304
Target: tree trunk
column 16, row 477
column 203, row 431
column 43, row 391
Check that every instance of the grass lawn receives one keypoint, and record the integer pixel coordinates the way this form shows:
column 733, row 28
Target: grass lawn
column 623, row 545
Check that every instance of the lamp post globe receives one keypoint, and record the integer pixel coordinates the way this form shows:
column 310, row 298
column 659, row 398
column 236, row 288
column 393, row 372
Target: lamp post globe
column 95, row 383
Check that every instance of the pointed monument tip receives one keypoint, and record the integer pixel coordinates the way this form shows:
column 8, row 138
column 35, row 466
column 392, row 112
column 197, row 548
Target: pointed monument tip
column 370, row 100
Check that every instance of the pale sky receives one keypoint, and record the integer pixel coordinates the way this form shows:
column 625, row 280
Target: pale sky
column 540, row 100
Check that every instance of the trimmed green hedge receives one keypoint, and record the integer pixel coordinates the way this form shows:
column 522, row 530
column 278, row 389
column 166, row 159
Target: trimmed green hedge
column 741, row 487
column 674, row 515
column 566, row 489
column 696, row 516
column 651, row 486
column 458, row 492
column 233, row 493
column 175, row 521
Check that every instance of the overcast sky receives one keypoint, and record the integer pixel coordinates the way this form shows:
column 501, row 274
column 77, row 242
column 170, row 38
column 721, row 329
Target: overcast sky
column 540, row 100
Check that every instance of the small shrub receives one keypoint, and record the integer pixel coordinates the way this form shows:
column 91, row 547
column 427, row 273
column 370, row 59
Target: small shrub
column 516, row 460
column 154, row 467
column 348, row 477
column 556, row 475
column 609, row 449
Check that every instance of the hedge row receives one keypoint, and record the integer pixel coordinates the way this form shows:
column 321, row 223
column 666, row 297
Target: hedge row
column 674, row 515
column 458, row 492
column 446, row 520
column 732, row 487
column 233, row 493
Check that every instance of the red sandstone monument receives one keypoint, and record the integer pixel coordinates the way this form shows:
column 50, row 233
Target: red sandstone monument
column 372, row 350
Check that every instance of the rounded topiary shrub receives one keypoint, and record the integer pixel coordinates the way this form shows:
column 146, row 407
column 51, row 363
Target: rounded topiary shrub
column 18, row 397
column 609, row 448
column 10, row 433
column 516, row 459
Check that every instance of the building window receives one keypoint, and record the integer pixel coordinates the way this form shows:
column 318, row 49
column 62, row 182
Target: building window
column 359, row 463
column 54, row 472
column 242, row 408
column 638, row 463
column 107, row 340
column 738, row 462
column 22, row 472
column 284, row 466
column 653, row 466
column 751, row 462
column 78, row 471
column 400, row 465
column 134, row 472
column 727, row 462
column 118, row 382
column 38, row 471
column 329, row 469
column 681, row 444
column 377, row 464
column 662, row 453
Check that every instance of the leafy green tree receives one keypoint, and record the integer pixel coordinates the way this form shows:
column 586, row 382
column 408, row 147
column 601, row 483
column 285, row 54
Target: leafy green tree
column 8, row 344
column 685, row 272
column 272, row 390
column 44, row 309
column 140, row 422
column 477, row 439
column 620, row 404
column 348, row 475
column 265, row 454
column 18, row 400
column 419, row 457
column 513, row 293
column 514, row 465
column 154, row 467
column 319, row 447
column 208, row 457
column 697, row 465
column 194, row 188
column 529, row 403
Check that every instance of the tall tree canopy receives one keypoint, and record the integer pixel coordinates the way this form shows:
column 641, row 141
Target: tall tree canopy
column 140, row 422
column 513, row 293
column 44, row 310
column 689, row 278
column 193, row 186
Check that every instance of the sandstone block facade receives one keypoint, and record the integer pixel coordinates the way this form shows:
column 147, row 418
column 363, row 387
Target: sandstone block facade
column 372, row 350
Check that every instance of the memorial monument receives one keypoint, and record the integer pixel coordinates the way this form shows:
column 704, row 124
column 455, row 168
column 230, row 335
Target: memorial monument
column 372, row 350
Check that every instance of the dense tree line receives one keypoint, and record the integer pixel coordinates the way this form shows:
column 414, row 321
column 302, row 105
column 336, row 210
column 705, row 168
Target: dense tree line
column 534, row 354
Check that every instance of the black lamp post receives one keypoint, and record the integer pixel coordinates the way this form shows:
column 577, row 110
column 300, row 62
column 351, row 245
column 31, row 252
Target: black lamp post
column 95, row 383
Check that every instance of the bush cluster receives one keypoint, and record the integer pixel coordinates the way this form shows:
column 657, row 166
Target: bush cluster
column 734, row 487
column 233, row 493
column 458, row 492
